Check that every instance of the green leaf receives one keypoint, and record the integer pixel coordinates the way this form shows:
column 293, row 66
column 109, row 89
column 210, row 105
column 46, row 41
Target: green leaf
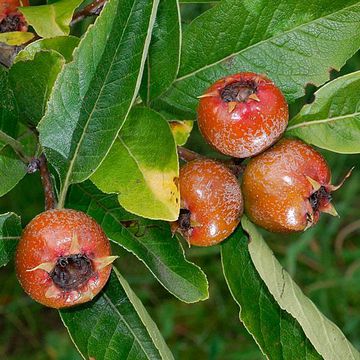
column 64, row 45
column 181, row 130
column 10, row 231
column 332, row 121
column 53, row 19
column 16, row 37
column 12, row 169
column 294, row 42
column 9, row 114
column 142, row 167
column 93, row 94
column 277, row 333
column 150, row 241
column 32, row 82
column 325, row 336
column 197, row 1
column 115, row 326
column 164, row 52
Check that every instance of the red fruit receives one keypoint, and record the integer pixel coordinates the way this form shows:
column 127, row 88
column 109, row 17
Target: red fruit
column 10, row 18
column 63, row 258
column 243, row 114
column 211, row 202
column 287, row 187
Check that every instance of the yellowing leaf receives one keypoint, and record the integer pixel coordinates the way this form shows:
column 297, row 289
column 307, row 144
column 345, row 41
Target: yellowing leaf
column 16, row 37
column 142, row 167
column 181, row 130
column 53, row 19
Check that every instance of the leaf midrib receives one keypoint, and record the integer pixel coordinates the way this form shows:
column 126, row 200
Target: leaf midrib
column 106, row 297
column 279, row 35
column 322, row 121
column 72, row 161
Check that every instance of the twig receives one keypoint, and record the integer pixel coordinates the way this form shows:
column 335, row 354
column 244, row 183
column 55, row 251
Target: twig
column 235, row 165
column 16, row 146
column 50, row 201
column 188, row 155
column 92, row 9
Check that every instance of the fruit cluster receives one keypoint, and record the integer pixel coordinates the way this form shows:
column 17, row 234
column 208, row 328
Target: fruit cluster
column 285, row 186
column 63, row 258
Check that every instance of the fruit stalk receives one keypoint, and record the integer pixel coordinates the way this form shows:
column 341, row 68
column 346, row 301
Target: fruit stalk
column 93, row 8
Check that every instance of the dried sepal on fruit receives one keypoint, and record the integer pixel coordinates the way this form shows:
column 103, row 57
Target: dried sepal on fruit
column 211, row 202
column 242, row 114
column 287, row 187
column 11, row 18
column 63, row 258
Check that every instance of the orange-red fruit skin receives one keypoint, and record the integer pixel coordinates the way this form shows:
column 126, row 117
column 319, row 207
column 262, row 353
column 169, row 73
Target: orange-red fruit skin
column 49, row 236
column 275, row 187
column 252, row 126
column 213, row 196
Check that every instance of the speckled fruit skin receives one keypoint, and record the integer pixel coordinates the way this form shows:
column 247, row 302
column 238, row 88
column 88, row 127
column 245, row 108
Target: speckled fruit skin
column 49, row 236
column 252, row 126
column 275, row 187
column 9, row 7
column 213, row 195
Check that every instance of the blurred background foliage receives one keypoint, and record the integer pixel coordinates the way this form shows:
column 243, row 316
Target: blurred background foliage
column 324, row 261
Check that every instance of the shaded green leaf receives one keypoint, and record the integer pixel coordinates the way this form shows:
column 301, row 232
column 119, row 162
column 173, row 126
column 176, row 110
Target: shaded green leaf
column 53, row 19
column 9, row 114
column 325, row 336
column 149, row 241
column 142, row 167
column 93, row 94
column 275, row 331
column 10, row 231
column 164, row 52
column 12, row 169
column 32, row 82
column 115, row 326
column 64, row 45
column 332, row 121
column 293, row 42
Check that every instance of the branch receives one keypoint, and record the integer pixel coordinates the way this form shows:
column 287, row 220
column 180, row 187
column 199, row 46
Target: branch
column 92, row 9
column 188, row 155
column 236, row 166
column 50, row 201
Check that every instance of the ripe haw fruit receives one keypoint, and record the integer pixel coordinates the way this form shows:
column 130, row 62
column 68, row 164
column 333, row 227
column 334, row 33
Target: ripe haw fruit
column 10, row 18
column 63, row 258
column 287, row 187
column 211, row 202
column 243, row 114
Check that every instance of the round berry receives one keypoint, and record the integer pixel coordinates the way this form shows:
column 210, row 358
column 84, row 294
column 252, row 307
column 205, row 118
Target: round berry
column 287, row 187
column 211, row 202
column 63, row 258
column 243, row 114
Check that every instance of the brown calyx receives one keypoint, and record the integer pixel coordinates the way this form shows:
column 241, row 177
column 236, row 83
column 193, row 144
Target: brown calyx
column 184, row 221
column 239, row 91
column 320, row 198
column 72, row 271
column 12, row 22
